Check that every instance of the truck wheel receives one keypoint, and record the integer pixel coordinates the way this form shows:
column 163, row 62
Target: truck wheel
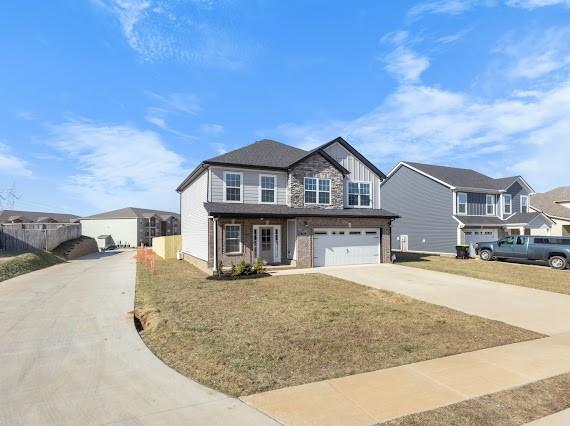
column 485, row 255
column 558, row 262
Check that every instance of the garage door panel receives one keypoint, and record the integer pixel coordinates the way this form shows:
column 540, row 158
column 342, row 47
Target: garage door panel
column 473, row 236
column 341, row 247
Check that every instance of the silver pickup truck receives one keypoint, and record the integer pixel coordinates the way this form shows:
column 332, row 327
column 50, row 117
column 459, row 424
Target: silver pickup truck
column 554, row 250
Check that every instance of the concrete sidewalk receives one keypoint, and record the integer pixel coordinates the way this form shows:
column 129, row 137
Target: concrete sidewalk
column 70, row 355
column 562, row 418
column 378, row 396
column 537, row 310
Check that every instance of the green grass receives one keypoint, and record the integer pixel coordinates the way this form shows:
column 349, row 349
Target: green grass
column 248, row 336
column 27, row 262
column 539, row 277
column 512, row 407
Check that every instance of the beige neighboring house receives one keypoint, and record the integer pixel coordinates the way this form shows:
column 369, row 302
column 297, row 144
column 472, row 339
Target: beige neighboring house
column 130, row 227
column 556, row 205
column 20, row 216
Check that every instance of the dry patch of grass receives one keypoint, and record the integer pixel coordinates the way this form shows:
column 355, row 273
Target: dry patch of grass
column 542, row 278
column 249, row 336
column 27, row 262
column 507, row 408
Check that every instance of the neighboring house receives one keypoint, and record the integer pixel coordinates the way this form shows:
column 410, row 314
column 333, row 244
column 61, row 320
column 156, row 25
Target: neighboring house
column 556, row 205
column 130, row 226
column 441, row 207
column 19, row 216
column 285, row 205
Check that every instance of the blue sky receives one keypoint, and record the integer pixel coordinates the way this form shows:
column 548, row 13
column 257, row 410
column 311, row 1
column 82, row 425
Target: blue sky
column 110, row 103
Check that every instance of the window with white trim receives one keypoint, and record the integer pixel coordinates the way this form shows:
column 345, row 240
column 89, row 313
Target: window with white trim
column 490, row 205
column 233, row 186
column 461, row 203
column 232, row 239
column 267, row 189
column 524, row 203
column 508, row 208
column 317, row 191
column 359, row 194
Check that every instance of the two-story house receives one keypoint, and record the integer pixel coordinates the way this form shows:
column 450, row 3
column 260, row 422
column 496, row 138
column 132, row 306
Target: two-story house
column 441, row 207
column 285, row 205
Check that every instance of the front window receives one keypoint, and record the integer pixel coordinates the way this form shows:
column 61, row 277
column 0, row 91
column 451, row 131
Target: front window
column 508, row 204
column 462, row 203
column 267, row 188
column 359, row 194
column 317, row 191
column 524, row 203
column 232, row 239
column 233, row 186
column 490, row 205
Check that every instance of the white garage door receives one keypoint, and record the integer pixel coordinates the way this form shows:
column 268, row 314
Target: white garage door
column 473, row 236
column 345, row 246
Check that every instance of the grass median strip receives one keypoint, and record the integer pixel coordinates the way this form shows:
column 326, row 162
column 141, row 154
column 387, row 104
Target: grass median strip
column 541, row 278
column 21, row 264
column 512, row 407
column 249, row 336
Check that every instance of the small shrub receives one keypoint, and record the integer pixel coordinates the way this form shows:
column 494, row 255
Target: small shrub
column 258, row 267
column 220, row 268
column 242, row 268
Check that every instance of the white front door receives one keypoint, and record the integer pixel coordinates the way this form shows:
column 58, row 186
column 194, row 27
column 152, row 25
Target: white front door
column 267, row 243
column 346, row 246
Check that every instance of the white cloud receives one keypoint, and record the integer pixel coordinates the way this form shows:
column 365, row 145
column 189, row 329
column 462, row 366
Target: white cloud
column 160, row 30
column 212, row 129
column 119, row 165
column 533, row 4
column 448, row 7
column 538, row 54
column 405, row 64
column 11, row 165
column 187, row 103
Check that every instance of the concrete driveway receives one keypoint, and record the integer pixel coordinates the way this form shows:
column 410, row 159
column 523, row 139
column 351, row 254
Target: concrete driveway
column 536, row 310
column 70, row 355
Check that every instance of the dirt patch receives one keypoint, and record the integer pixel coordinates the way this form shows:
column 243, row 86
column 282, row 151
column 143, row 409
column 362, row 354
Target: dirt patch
column 148, row 317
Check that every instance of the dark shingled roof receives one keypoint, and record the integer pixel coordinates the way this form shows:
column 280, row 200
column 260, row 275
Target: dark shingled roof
column 263, row 153
column 131, row 212
column 517, row 218
column 275, row 210
column 548, row 202
column 463, row 178
column 9, row 215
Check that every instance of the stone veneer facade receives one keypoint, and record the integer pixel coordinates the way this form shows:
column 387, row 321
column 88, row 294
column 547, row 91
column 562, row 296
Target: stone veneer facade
column 315, row 166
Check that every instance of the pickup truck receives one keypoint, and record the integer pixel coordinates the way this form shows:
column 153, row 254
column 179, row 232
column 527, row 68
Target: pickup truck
column 554, row 250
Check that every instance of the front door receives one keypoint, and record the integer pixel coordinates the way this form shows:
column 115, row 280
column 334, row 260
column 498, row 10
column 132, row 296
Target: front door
column 266, row 244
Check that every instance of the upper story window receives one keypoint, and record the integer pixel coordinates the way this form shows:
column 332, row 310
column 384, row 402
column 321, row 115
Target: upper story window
column 490, row 205
column 359, row 194
column 461, row 203
column 317, row 191
column 267, row 189
column 233, row 186
column 508, row 208
column 524, row 203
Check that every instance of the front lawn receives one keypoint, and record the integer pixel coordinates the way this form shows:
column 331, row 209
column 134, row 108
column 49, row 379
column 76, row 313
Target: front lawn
column 542, row 278
column 23, row 263
column 249, row 336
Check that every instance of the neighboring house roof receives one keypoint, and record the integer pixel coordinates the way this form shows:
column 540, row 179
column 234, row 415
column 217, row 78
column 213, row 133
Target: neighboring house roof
column 462, row 178
column 131, row 213
column 273, row 155
column 38, row 217
column 275, row 210
column 548, row 202
column 515, row 219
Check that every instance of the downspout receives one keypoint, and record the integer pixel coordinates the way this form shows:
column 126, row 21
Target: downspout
column 215, row 266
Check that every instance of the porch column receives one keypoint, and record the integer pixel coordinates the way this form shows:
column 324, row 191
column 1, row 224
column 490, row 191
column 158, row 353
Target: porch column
column 215, row 221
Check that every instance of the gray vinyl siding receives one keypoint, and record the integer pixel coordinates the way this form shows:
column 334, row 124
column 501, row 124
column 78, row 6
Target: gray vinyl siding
column 426, row 210
column 358, row 172
column 194, row 218
column 250, row 185
column 516, row 190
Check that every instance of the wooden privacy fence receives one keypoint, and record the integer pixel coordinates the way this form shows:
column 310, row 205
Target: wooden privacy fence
column 166, row 247
column 37, row 236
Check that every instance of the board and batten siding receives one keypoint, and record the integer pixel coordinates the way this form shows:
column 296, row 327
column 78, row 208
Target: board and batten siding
column 194, row 218
column 358, row 172
column 425, row 208
column 250, row 184
column 516, row 190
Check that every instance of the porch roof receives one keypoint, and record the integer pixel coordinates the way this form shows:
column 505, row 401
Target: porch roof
column 517, row 218
column 276, row 210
